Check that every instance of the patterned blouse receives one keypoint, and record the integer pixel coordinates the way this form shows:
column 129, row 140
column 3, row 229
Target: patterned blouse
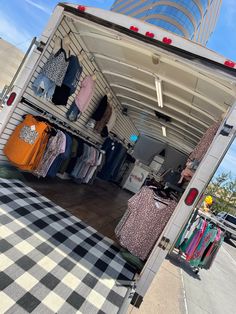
column 143, row 222
column 55, row 147
column 202, row 147
column 56, row 66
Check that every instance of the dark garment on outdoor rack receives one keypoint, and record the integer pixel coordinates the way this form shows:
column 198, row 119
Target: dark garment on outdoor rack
column 59, row 160
column 209, row 260
column 143, row 222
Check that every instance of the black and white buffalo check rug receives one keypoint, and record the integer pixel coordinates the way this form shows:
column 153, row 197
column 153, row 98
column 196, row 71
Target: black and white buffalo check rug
column 52, row 262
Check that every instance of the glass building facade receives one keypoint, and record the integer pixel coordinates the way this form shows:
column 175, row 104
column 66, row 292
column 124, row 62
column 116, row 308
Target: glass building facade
column 192, row 19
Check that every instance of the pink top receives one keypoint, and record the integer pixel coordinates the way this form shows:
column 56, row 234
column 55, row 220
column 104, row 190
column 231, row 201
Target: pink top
column 85, row 94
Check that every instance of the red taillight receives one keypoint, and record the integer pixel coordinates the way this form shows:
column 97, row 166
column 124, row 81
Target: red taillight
column 149, row 34
column 81, row 8
column 134, row 28
column 11, row 99
column 229, row 64
column 192, row 195
column 167, row 40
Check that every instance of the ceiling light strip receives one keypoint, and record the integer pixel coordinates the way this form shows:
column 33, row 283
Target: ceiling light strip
column 159, row 92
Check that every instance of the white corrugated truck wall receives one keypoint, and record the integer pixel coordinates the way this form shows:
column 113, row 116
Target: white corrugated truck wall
column 124, row 127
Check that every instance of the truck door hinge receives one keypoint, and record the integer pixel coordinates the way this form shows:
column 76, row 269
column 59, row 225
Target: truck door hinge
column 40, row 45
column 127, row 283
column 130, row 284
column 165, row 244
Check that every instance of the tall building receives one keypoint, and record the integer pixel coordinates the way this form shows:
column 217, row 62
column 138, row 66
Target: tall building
column 192, row 19
column 10, row 59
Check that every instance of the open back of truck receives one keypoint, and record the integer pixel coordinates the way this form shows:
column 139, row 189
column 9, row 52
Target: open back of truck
column 161, row 80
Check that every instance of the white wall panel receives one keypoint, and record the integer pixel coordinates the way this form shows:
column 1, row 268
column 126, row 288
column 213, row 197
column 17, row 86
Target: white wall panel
column 124, row 127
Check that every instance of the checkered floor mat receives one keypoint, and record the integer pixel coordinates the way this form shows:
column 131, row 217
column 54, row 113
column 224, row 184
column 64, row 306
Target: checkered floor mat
column 52, row 262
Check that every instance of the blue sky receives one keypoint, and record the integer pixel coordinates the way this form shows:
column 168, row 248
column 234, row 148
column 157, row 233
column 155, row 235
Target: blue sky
column 20, row 20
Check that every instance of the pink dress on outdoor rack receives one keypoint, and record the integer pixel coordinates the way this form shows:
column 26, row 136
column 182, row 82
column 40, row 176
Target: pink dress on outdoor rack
column 143, row 222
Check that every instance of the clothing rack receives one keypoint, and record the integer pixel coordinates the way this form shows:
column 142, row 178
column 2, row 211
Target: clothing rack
column 212, row 220
column 61, row 124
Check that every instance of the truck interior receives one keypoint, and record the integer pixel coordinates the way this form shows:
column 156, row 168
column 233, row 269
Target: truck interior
column 165, row 95
column 163, row 90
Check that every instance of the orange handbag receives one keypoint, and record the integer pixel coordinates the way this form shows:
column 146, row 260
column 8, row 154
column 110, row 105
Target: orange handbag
column 27, row 143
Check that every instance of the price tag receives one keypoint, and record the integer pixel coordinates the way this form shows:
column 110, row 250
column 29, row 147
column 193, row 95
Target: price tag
column 33, row 128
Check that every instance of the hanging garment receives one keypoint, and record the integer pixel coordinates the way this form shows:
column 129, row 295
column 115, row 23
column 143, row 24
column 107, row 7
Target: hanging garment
column 73, row 112
column 65, row 152
column 190, row 246
column 54, row 148
column 43, row 87
column 61, row 95
column 69, row 84
column 85, row 94
column 89, row 164
column 56, row 66
column 79, row 153
column 73, row 74
column 114, row 158
column 73, row 153
column 187, row 230
column 84, row 163
column 110, row 124
column 208, row 236
column 208, row 251
column 112, row 149
column 98, row 113
column 118, row 162
column 143, row 222
column 210, row 256
column 27, row 143
column 93, row 168
column 104, row 120
column 200, row 150
column 98, row 168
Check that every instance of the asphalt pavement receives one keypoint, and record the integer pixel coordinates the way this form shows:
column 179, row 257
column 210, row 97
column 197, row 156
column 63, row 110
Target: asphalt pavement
column 212, row 291
column 177, row 290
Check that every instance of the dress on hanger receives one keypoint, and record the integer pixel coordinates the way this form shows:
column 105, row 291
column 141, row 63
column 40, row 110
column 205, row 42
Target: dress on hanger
column 143, row 222
column 200, row 150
